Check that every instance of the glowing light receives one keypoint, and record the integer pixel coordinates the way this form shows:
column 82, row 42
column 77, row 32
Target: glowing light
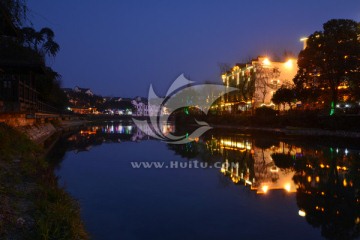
column 265, row 189
column 317, row 179
column 236, row 68
column 289, row 63
column 287, row 187
column 345, row 183
column 309, row 178
column 266, row 61
column 302, row 213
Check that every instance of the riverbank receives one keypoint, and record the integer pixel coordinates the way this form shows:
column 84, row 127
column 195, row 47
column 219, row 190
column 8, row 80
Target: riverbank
column 295, row 123
column 32, row 205
column 293, row 131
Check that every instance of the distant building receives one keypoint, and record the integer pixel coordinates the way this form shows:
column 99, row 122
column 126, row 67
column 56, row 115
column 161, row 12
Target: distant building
column 83, row 90
column 83, row 110
column 141, row 106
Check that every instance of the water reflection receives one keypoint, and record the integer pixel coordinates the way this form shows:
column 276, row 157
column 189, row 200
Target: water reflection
column 112, row 132
column 324, row 178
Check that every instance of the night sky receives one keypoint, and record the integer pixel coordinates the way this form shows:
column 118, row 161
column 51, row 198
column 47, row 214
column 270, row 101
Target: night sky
column 119, row 48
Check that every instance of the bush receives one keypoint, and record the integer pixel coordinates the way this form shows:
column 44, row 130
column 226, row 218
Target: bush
column 265, row 111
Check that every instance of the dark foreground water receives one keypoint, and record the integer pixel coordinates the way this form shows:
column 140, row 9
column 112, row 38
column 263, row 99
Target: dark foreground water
column 225, row 185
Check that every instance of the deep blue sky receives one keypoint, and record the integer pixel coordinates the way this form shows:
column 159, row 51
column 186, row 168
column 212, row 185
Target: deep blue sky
column 118, row 48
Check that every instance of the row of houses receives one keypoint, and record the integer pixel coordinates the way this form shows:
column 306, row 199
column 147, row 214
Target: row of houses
column 84, row 101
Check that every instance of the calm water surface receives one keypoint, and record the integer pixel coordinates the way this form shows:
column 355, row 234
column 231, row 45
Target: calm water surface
column 246, row 186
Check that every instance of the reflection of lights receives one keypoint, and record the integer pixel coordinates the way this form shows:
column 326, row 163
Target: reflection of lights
column 287, row 187
column 302, row 213
column 235, row 179
column 248, row 182
column 235, row 144
column 309, row 178
column 265, row 189
column 341, row 168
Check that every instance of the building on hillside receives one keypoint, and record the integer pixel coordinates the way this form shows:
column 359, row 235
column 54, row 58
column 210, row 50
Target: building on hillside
column 87, row 91
column 84, row 110
column 256, row 81
column 141, row 106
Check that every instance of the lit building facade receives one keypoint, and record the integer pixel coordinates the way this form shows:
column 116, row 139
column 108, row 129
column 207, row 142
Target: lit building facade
column 257, row 81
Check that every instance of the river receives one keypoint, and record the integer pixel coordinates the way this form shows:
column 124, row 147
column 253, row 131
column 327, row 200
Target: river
column 224, row 185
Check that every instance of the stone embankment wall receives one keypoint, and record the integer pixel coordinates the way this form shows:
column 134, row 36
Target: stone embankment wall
column 38, row 133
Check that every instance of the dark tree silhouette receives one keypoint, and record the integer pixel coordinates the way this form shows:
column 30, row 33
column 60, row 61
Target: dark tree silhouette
column 331, row 58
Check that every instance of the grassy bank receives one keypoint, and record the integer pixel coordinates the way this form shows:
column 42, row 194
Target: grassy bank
column 32, row 205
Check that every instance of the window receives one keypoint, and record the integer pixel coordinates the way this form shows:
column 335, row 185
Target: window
column 7, row 84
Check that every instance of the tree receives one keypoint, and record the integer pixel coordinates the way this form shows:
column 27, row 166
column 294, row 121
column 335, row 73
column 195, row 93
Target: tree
column 26, row 45
column 331, row 59
column 41, row 41
column 284, row 95
column 13, row 11
column 48, row 85
column 264, row 76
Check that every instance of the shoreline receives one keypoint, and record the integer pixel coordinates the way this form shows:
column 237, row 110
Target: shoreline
column 293, row 131
column 32, row 203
